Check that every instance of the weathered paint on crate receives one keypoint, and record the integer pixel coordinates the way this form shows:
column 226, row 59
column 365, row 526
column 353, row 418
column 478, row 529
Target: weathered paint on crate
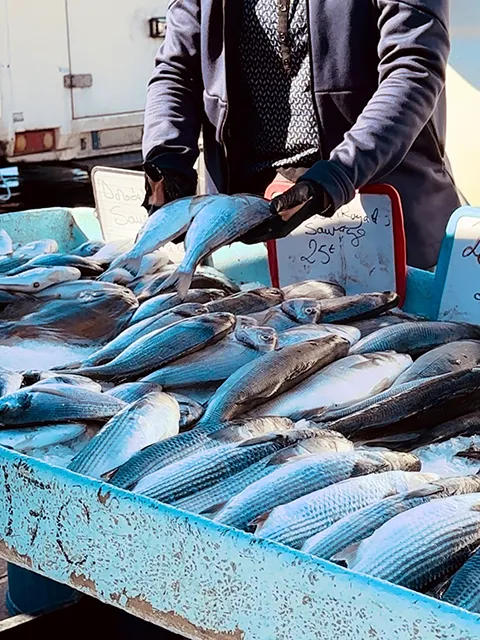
column 191, row 576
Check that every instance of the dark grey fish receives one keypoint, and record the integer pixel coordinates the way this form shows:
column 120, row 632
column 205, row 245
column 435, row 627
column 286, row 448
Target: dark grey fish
column 205, row 468
column 415, row 338
column 132, row 333
column 464, row 589
column 190, row 410
column 278, row 320
column 87, row 267
column 200, row 393
column 62, row 379
column 63, row 403
column 472, row 453
column 218, row 224
column 167, row 301
column 163, row 346
column 204, row 278
column 167, row 452
column 342, row 310
column 453, row 356
column 217, row 362
column 315, row 289
column 366, row 327
column 425, row 406
column 247, row 302
column 424, row 546
column 88, row 249
column 132, row 391
column 361, row 524
column 272, row 374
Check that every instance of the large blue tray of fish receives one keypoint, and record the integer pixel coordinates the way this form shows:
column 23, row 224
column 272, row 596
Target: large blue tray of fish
column 226, row 459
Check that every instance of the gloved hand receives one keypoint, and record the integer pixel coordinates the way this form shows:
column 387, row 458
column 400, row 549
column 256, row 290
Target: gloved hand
column 290, row 209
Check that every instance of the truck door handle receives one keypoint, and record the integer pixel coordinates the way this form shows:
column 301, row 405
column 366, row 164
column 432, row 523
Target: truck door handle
column 78, row 81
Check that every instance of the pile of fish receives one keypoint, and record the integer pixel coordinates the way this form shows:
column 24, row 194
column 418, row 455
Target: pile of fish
column 295, row 414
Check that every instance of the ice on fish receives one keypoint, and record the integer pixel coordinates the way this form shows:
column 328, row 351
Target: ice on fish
column 440, row 458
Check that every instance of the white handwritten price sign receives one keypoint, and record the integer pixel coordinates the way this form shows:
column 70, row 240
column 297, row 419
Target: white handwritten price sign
column 457, row 277
column 118, row 198
column 362, row 246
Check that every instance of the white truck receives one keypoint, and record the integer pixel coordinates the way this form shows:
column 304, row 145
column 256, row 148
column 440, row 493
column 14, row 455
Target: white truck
column 73, row 75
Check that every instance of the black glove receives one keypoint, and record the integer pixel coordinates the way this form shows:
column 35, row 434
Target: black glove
column 308, row 195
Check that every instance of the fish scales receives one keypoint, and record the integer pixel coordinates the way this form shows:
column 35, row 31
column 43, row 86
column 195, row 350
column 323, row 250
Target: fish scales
column 464, row 589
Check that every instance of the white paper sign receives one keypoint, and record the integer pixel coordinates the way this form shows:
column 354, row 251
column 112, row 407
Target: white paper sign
column 458, row 272
column 119, row 194
column 354, row 248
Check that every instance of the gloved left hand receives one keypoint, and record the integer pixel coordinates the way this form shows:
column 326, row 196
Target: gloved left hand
column 290, row 209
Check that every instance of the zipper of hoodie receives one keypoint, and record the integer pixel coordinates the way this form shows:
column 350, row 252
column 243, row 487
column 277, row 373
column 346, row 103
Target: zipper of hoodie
column 225, row 118
column 310, row 60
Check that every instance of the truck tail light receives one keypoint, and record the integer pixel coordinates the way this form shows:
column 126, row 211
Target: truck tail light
column 35, row 141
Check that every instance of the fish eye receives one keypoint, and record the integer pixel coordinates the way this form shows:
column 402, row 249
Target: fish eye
column 36, row 285
column 266, row 337
column 309, row 311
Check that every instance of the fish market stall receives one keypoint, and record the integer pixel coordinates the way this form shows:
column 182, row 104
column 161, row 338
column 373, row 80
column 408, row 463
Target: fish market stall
column 84, row 528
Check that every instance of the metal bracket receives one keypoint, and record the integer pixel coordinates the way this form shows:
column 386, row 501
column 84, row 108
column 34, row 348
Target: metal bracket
column 78, row 81
column 158, row 27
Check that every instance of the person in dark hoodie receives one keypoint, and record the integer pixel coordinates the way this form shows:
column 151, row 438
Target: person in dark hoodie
column 332, row 95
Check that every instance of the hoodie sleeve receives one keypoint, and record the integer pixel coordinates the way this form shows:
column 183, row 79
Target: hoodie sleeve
column 413, row 51
column 173, row 112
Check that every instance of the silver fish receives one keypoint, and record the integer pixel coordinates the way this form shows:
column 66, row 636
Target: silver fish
column 10, row 381
column 88, row 249
column 341, row 383
column 201, row 438
column 29, row 438
column 86, row 266
column 311, row 331
column 293, row 523
column 190, row 410
column 204, row 278
column 39, row 279
column 36, row 248
column 415, row 337
column 163, row 346
column 112, row 250
column 163, row 226
column 117, row 276
column 218, row 224
column 167, row 301
column 6, row 244
column 154, row 417
column 272, row 374
column 303, row 476
column 453, row 356
column 217, row 362
column 210, row 499
column 204, row 469
column 47, row 404
column 50, row 377
column 341, row 310
column 132, row 333
column 366, row 327
column 464, row 590
column 424, row 546
column 153, row 262
column 361, row 524
column 315, row 289
column 247, row 302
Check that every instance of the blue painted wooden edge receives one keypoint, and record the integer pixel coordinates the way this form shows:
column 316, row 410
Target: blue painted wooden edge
column 195, row 577
column 444, row 256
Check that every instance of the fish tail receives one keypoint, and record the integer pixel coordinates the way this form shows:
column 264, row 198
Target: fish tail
column 181, row 280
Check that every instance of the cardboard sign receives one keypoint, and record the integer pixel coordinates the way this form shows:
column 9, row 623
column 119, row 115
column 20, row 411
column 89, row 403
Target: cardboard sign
column 457, row 278
column 118, row 199
column 362, row 246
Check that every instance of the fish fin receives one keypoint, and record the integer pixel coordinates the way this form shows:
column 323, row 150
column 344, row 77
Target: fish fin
column 108, row 475
column 212, row 510
column 226, row 434
column 46, row 388
column 263, row 439
column 181, row 280
column 346, row 556
column 284, row 456
column 259, row 521
column 427, row 490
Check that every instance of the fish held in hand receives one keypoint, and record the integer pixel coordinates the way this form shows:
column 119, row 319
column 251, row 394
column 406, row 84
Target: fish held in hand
column 218, row 224
column 272, row 374
column 154, row 417
column 204, row 278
